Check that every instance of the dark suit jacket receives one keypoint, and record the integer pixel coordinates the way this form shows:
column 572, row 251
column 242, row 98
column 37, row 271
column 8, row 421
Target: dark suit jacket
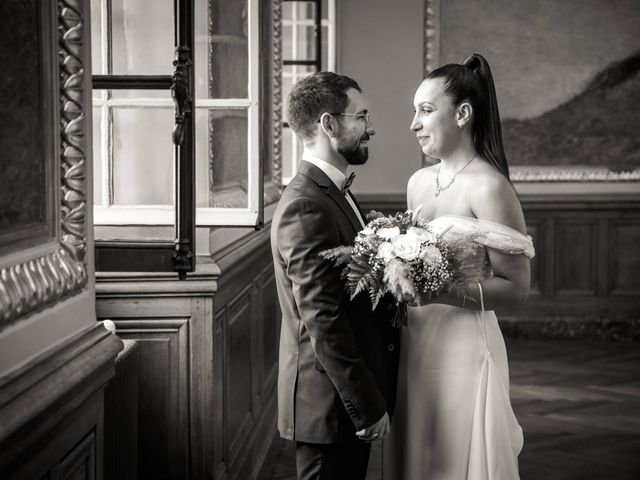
column 338, row 359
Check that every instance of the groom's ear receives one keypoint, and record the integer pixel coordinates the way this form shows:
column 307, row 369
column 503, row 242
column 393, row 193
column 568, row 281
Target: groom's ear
column 328, row 124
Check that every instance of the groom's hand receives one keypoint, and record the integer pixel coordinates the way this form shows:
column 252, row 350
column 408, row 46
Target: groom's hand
column 377, row 431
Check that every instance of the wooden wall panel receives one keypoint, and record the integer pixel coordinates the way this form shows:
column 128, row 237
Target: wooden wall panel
column 247, row 308
column 172, row 321
column 80, row 464
column 575, row 257
column 218, row 416
column 535, row 230
column 163, row 448
column 238, row 372
column 625, row 257
column 208, row 353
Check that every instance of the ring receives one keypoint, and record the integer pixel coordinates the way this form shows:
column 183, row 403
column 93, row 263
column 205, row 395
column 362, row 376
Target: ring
column 375, row 434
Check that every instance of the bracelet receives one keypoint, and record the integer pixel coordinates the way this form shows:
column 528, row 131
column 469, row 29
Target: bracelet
column 466, row 297
column 481, row 296
column 461, row 292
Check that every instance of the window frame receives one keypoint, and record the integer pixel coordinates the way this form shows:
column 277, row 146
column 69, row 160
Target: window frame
column 108, row 214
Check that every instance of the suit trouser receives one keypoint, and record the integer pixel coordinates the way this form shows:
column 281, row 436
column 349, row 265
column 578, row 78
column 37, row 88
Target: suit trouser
column 345, row 460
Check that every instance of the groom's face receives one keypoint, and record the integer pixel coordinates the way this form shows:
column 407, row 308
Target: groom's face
column 355, row 129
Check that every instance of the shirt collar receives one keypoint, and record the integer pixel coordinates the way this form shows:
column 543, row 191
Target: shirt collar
column 335, row 175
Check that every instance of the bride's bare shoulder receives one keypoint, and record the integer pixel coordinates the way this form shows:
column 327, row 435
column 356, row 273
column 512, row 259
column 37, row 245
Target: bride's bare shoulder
column 421, row 176
column 494, row 198
column 490, row 182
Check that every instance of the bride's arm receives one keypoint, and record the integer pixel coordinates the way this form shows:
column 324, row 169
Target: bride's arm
column 411, row 189
column 495, row 200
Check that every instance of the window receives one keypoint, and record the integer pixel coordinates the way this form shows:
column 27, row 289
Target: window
column 133, row 112
column 304, row 52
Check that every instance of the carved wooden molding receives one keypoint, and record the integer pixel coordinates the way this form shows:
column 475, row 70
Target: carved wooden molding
column 431, row 35
column 46, row 278
column 276, row 94
column 73, row 160
column 431, row 45
column 571, row 174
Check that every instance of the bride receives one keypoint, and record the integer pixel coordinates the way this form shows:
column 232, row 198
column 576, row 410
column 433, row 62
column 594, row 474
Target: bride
column 453, row 417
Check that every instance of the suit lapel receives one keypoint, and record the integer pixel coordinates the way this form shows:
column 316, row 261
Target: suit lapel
column 338, row 197
column 353, row 197
column 321, row 179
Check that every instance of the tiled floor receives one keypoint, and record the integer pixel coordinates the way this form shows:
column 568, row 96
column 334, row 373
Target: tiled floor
column 578, row 402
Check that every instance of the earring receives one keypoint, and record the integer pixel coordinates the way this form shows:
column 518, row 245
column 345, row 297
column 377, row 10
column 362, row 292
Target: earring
column 460, row 124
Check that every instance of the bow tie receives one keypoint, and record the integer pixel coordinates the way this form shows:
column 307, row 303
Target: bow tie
column 347, row 182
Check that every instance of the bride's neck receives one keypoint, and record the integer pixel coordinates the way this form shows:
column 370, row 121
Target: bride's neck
column 457, row 159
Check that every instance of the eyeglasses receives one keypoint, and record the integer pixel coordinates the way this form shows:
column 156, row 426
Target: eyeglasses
column 364, row 117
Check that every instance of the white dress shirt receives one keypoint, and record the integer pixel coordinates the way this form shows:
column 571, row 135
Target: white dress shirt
column 336, row 176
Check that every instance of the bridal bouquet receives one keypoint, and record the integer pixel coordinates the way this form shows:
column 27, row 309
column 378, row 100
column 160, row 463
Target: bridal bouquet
column 397, row 254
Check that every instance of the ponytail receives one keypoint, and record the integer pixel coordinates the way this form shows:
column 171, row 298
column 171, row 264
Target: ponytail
column 473, row 81
column 487, row 129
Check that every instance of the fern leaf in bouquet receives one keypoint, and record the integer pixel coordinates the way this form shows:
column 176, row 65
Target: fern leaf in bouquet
column 339, row 255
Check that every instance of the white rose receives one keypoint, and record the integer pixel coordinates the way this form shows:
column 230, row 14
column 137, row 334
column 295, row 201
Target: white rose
column 385, row 251
column 422, row 234
column 366, row 232
column 406, row 246
column 430, row 254
column 389, row 233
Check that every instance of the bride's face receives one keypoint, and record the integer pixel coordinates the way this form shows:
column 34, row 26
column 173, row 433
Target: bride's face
column 434, row 121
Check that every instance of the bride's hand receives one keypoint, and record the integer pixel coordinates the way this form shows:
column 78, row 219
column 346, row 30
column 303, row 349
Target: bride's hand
column 419, row 300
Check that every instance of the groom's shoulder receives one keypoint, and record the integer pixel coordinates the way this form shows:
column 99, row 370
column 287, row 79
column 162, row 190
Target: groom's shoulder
column 301, row 186
column 300, row 195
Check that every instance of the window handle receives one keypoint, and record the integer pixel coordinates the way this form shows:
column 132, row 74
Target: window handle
column 180, row 91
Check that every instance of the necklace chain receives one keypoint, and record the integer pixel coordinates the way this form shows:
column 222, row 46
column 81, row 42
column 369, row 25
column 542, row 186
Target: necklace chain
column 439, row 188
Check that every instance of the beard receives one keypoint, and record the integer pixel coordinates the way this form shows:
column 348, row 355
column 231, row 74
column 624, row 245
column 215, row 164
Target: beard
column 355, row 154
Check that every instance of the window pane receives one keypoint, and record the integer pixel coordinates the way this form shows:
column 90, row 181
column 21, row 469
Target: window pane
column 134, row 95
column 287, row 42
column 325, row 9
column 306, row 10
column 221, row 158
column 298, row 43
column 142, row 37
column 222, row 55
column 96, row 37
column 325, row 49
column 306, row 43
column 97, row 156
column 143, row 156
column 287, row 10
column 302, row 10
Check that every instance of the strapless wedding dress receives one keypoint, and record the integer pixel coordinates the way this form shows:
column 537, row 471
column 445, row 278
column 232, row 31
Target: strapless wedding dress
column 453, row 418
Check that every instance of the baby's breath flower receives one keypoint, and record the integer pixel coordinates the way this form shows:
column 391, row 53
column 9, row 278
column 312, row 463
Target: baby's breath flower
column 388, row 233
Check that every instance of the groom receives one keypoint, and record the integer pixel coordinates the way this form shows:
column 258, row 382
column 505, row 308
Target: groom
column 338, row 359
